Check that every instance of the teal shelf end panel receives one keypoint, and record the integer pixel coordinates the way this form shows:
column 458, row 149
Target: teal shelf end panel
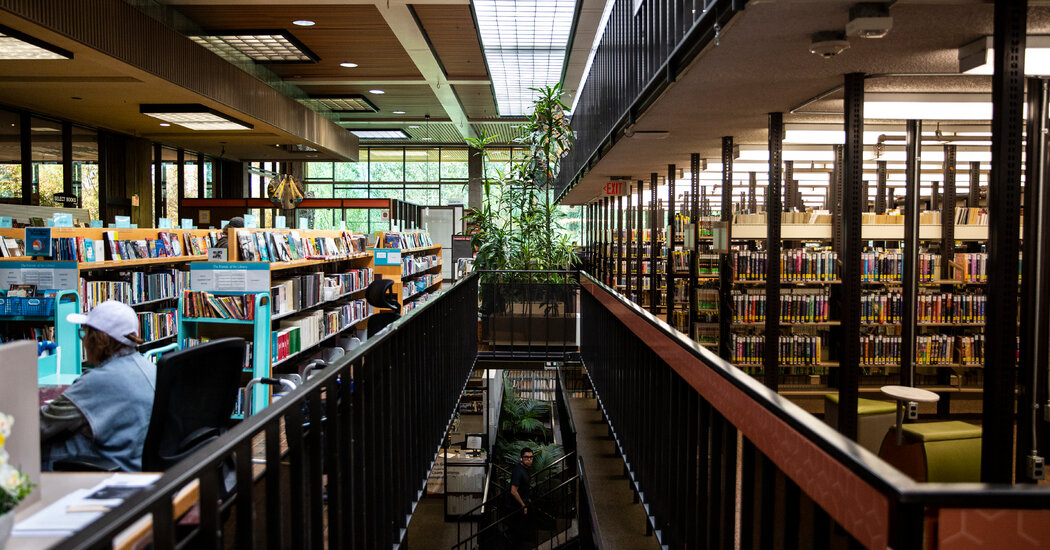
column 63, row 367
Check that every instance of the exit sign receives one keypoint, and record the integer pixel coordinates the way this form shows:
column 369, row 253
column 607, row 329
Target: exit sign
column 617, row 189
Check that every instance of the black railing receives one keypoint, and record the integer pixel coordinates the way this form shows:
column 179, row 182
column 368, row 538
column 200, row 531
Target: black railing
column 639, row 56
column 361, row 437
column 679, row 414
column 528, row 315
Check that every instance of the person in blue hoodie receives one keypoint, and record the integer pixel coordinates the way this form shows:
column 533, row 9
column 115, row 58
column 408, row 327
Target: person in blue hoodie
column 105, row 413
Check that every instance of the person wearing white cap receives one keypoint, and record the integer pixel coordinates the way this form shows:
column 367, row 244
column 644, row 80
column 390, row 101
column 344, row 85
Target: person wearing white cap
column 105, row 414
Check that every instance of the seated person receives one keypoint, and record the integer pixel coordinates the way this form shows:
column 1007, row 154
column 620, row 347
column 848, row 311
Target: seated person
column 237, row 222
column 105, row 413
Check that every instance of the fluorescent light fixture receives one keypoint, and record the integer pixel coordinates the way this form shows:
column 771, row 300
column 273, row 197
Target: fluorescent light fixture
column 15, row 45
column 377, row 92
column 934, row 106
column 165, row 124
column 398, row 112
column 976, row 57
column 264, row 46
column 193, row 116
column 426, row 138
column 413, row 126
column 525, row 43
column 348, row 64
column 344, row 103
column 303, row 22
column 379, row 134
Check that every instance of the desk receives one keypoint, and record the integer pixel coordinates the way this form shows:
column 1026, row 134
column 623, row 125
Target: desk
column 55, row 485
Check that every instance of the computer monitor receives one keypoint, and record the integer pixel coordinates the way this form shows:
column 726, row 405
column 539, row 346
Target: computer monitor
column 474, row 442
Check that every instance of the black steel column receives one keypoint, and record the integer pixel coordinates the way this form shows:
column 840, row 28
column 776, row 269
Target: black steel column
column 771, row 359
column 752, row 191
column 1032, row 429
column 1004, row 212
column 654, row 292
column 910, row 277
column 200, row 176
column 835, row 193
column 948, row 212
column 158, row 184
column 974, row 198
column 935, row 195
column 67, row 158
column 880, row 189
column 850, row 256
column 789, row 185
column 605, row 240
column 628, row 244
column 641, row 242
column 725, row 260
column 672, row 233
column 864, row 194
column 619, row 242
column 180, row 177
column 694, row 217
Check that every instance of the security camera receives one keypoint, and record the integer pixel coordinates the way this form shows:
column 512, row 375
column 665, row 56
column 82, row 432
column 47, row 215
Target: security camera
column 869, row 20
column 828, row 44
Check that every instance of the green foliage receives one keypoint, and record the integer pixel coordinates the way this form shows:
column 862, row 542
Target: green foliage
column 522, row 418
column 544, row 453
column 518, row 226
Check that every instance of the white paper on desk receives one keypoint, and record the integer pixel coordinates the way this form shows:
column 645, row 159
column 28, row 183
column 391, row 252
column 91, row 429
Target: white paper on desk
column 55, row 520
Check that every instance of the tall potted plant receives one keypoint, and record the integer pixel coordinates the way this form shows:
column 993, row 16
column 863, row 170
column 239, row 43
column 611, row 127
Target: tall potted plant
column 516, row 226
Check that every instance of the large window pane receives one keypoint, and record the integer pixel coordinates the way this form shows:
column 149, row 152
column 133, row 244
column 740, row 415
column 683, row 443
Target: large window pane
column 421, row 165
column 376, row 221
column 189, row 171
column 387, row 192
column 320, row 170
column 10, row 157
column 454, row 165
column 209, row 180
column 352, row 171
column 386, row 164
column 497, row 162
column 356, row 219
column 350, row 191
column 423, row 196
column 453, row 194
column 319, row 190
column 85, row 168
column 321, row 218
column 47, row 159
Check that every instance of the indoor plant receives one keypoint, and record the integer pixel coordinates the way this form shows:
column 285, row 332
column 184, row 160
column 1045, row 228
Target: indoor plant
column 14, row 485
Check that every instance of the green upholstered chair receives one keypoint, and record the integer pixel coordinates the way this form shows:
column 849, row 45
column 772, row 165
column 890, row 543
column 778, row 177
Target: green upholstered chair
column 874, row 419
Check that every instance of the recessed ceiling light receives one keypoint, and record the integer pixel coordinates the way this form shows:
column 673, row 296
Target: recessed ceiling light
column 348, row 64
column 193, row 116
column 15, row 45
column 377, row 92
column 427, row 138
column 165, row 124
column 398, row 112
column 379, row 134
column 303, row 22
column 413, row 126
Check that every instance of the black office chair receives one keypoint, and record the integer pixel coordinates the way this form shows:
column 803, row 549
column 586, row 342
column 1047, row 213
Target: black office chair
column 196, row 392
column 380, row 293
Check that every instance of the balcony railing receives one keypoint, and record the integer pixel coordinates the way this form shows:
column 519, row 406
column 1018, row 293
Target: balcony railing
column 337, row 463
column 687, row 423
column 528, row 315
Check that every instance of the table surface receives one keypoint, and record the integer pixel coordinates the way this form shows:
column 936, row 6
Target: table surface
column 908, row 393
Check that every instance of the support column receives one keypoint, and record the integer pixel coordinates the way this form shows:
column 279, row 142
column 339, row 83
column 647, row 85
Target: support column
column 789, row 186
column 1035, row 285
column 1004, row 212
column 629, row 244
column 672, row 233
column 475, row 178
column 639, row 239
column 158, row 183
column 694, row 216
column 910, row 277
column 974, row 198
column 654, row 293
column 880, row 189
column 835, row 193
column 25, row 136
column 619, row 242
column 771, row 361
column 850, row 255
column 725, row 260
column 948, row 212
column 752, row 184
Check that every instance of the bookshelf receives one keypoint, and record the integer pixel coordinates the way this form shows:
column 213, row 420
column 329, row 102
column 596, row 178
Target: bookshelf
column 415, row 270
column 539, row 384
column 47, row 321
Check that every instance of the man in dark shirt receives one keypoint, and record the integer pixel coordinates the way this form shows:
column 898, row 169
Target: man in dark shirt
column 520, row 482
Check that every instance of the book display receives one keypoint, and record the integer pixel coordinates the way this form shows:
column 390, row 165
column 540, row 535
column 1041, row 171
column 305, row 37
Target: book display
column 415, row 270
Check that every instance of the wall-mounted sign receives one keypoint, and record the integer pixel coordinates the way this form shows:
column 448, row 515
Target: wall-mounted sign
column 65, row 199
column 617, row 189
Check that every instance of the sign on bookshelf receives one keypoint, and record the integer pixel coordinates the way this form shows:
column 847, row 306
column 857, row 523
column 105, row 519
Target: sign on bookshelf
column 251, row 221
column 5, row 221
column 279, row 222
column 388, row 256
column 230, row 277
column 122, row 221
column 63, row 220
column 38, row 241
column 45, row 275
column 218, row 254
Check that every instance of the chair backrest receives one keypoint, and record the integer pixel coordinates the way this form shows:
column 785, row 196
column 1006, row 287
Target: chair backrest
column 380, row 293
column 196, row 393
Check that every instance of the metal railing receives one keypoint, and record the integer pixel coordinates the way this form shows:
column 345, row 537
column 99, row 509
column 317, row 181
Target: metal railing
column 339, row 462
column 679, row 414
column 528, row 315
column 639, row 56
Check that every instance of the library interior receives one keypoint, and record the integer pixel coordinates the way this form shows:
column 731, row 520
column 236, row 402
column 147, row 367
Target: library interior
column 485, row 274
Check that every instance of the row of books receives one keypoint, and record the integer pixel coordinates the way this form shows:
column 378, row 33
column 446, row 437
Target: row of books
column 793, row 350
column 795, row 265
column 971, row 216
column 303, row 331
column 795, row 307
column 935, row 349
column 810, row 217
column 134, row 287
column 417, row 302
column 887, row 307
column 277, row 246
column 296, row 293
column 410, row 265
column 406, row 239
column 198, row 304
column 12, row 247
column 415, row 286
column 154, row 325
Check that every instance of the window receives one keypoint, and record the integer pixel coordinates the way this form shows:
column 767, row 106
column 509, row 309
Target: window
column 46, row 136
column 454, row 193
column 422, row 164
column 386, row 165
column 10, row 157
column 387, row 192
column 85, row 169
column 320, row 170
column 454, row 165
column 352, row 171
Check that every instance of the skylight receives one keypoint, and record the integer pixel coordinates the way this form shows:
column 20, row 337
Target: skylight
column 525, row 45
column 379, row 134
column 261, row 46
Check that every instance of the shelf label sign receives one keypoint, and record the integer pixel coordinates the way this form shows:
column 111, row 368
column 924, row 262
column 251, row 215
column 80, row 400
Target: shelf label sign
column 387, row 256
column 63, row 220
column 187, row 223
column 122, row 221
column 5, row 221
column 165, row 223
column 251, row 221
column 304, row 223
column 230, row 277
column 96, row 224
column 280, row 222
column 617, row 189
column 45, row 275
column 218, row 254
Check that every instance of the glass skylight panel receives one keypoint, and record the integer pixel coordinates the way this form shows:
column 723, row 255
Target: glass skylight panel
column 271, row 47
column 525, row 45
column 15, row 45
column 380, row 134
